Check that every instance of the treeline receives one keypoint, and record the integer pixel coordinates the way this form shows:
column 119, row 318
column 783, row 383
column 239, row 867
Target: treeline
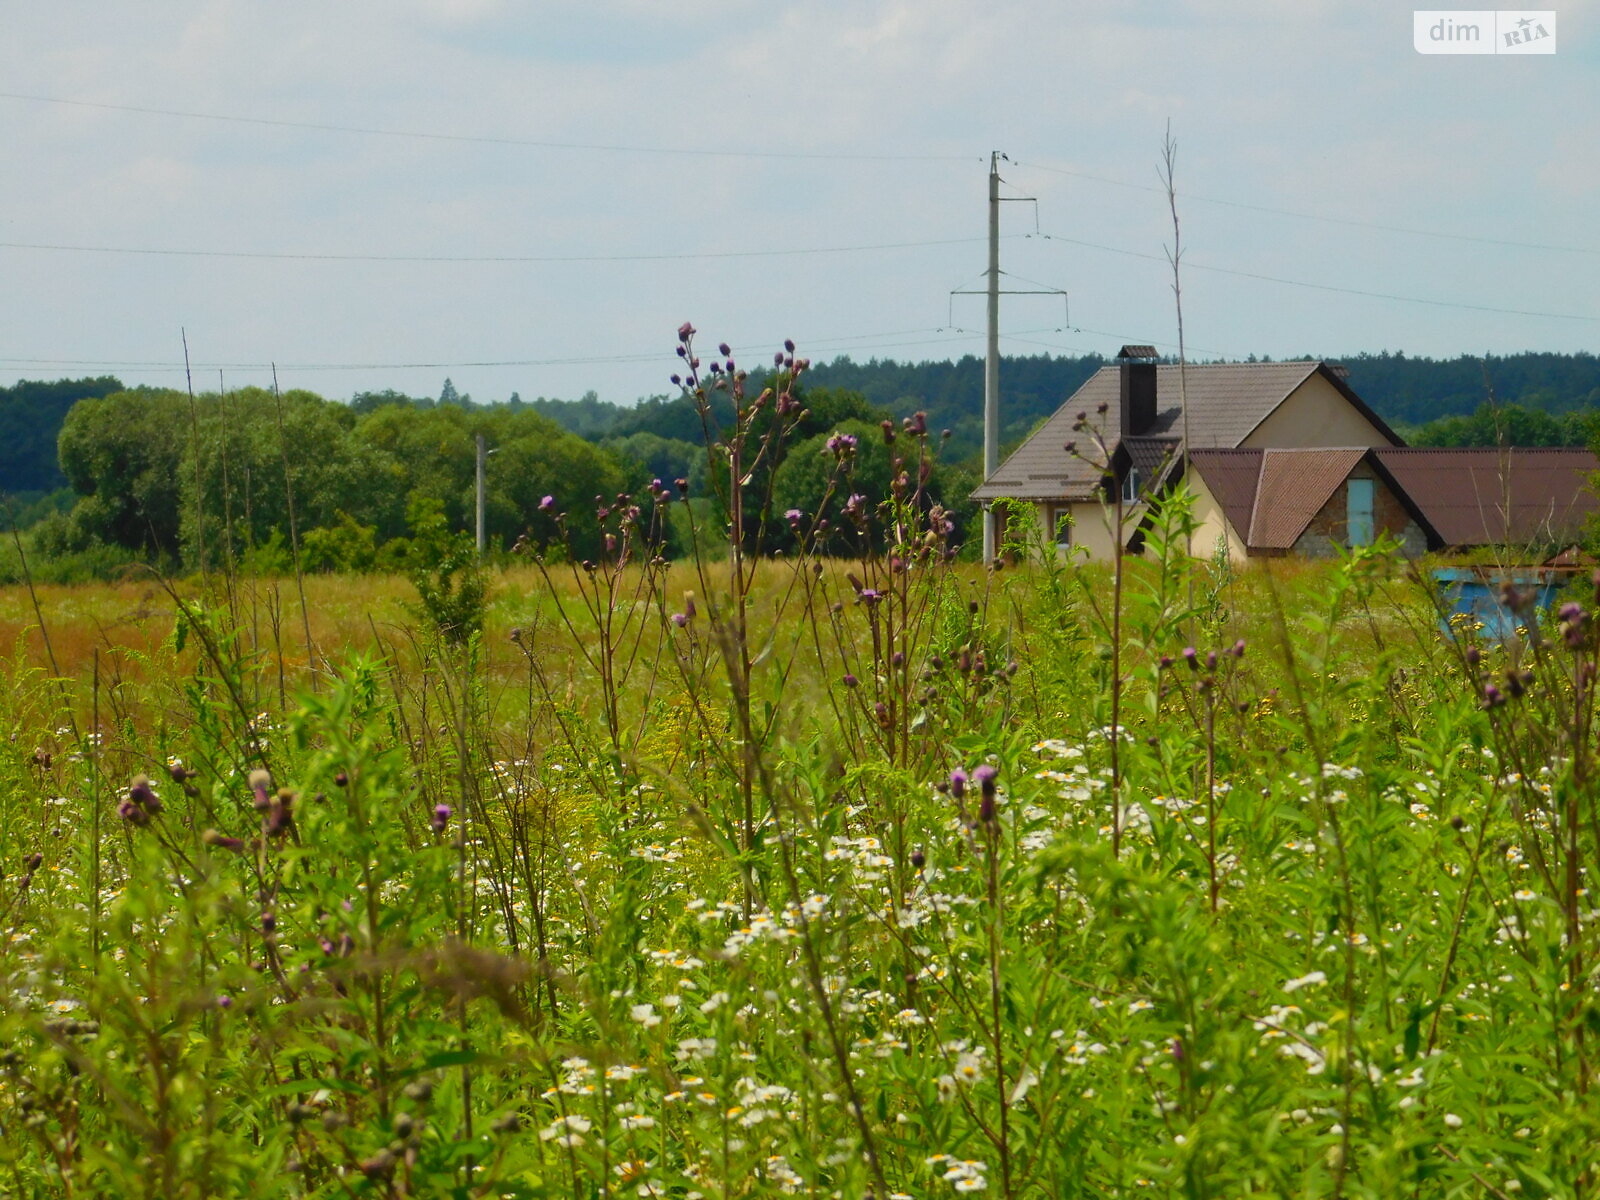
column 1511, row 425
column 250, row 478
column 1409, row 393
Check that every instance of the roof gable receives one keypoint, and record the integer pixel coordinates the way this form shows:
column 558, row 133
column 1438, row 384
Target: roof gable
column 1226, row 402
column 1294, row 486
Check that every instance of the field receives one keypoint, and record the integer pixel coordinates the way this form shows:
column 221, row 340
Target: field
column 893, row 878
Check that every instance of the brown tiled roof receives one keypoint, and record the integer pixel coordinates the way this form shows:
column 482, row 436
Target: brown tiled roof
column 1150, row 454
column 1231, row 475
column 1226, row 402
column 1294, row 486
column 1490, row 496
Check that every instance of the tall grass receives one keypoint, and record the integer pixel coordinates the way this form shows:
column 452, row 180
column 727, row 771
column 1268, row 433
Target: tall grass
column 747, row 877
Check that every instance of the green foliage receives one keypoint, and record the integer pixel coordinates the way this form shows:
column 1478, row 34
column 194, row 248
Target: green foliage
column 122, row 453
column 452, row 589
column 31, row 414
column 348, row 547
column 1510, row 425
column 1284, row 894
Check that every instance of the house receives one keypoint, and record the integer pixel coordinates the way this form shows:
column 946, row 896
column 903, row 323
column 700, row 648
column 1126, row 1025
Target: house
column 1123, row 433
column 1283, row 459
column 1313, row 502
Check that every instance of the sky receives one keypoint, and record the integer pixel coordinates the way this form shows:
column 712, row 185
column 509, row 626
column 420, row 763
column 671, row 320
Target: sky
column 532, row 198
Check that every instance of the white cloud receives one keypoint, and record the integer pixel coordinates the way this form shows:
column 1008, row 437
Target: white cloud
column 1319, row 107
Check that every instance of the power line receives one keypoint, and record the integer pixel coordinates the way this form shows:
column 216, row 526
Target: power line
column 297, row 256
column 1321, row 287
column 1307, row 216
column 169, row 365
column 480, row 139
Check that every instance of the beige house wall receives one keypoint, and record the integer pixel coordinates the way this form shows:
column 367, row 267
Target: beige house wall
column 1315, row 414
column 1091, row 532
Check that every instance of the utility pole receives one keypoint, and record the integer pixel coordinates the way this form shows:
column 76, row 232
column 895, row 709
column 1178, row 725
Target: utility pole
column 991, row 364
column 482, row 457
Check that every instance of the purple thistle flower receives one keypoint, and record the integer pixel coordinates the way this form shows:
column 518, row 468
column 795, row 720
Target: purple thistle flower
column 441, row 817
column 958, row 783
column 142, row 794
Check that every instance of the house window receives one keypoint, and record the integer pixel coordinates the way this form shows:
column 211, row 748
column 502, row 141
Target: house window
column 1061, row 523
column 1359, row 493
column 1130, row 485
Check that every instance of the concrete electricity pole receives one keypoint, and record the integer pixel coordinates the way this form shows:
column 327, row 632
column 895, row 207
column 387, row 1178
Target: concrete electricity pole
column 482, row 458
column 991, row 364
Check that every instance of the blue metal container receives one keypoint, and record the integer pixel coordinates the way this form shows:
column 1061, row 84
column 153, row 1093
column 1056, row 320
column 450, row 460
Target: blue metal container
column 1475, row 593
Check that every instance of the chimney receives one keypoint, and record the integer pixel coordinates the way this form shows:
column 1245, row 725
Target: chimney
column 1139, row 407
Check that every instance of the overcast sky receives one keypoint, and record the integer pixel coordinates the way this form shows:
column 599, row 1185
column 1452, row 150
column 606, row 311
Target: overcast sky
column 768, row 170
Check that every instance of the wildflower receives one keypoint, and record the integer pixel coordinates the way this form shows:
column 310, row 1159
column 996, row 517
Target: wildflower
column 985, row 777
column 144, row 796
column 958, row 783
column 1453, row 1121
column 645, row 1014
column 440, row 818
column 260, row 784
column 1315, row 977
column 221, row 841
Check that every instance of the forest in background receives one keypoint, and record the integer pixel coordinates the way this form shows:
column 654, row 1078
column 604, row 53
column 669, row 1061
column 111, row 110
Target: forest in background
column 101, row 475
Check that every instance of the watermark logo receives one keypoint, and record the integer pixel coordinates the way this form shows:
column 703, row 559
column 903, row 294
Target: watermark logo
column 1484, row 31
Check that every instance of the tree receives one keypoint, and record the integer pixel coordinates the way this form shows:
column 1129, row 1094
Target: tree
column 31, row 415
column 121, row 453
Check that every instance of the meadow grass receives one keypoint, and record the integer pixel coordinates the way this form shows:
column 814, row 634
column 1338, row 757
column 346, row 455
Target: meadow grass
column 875, row 903
column 736, row 876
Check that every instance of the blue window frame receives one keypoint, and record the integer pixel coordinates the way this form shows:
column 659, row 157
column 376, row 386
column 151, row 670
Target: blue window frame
column 1360, row 496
